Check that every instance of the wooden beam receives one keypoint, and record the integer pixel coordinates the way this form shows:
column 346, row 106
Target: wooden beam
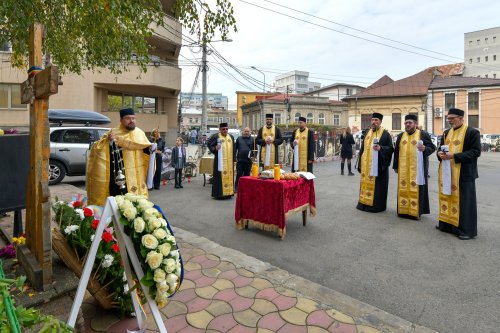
column 38, row 233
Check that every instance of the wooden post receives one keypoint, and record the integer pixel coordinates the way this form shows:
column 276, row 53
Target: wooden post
column 38, row 233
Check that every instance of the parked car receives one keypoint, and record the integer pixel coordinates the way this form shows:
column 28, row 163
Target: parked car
column 490, row 139
column 69, row 145
column 68, row 150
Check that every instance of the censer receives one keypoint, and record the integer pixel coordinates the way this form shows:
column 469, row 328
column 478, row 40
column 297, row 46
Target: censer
column 118, row 168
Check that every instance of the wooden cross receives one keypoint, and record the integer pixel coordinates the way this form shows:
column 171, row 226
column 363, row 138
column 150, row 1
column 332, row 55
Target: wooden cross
column 36, row 91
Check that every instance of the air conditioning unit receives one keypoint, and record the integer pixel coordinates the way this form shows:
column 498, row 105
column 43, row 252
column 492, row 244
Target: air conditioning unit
column 438, row 112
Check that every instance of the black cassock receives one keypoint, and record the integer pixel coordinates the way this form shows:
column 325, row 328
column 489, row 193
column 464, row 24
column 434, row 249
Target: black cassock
column 278, row 140
column 310, row 149
column 423, row 191
column 382, row 181
column 217, row 188
column 467, row 223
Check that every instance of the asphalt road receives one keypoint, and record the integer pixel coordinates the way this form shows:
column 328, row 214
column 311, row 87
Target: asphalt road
column 404, row 267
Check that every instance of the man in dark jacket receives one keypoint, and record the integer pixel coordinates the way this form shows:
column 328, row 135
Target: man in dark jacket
column 243, row 148
column 460, row 147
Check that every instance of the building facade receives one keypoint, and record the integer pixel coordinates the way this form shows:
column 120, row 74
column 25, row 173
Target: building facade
column 195, row 100
column 482, row 53
column 478, row 97
column 295, row 82
column 336, row 91
column 191, row 118
column 317, row 110
column 245, row 97
column 152, row 94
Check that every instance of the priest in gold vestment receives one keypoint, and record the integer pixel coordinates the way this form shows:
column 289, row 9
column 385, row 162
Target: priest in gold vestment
column 375, row 160
column 222, row 146
column 131, row 156
column 458, row 154
column 303, row 139
column 269, row 137
column 411, row 163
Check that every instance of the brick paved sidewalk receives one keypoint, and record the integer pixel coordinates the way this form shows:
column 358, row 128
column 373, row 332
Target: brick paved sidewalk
column 227, row 291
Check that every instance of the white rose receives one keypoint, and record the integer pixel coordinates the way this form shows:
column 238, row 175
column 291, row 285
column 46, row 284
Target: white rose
column 80, row 212
column 162, row 286
column 132, row 197
column 125, row 289
column 139, row 224
column 171, row 239
column 149, row 213
column 172, row 280
column 160, row 233
column 163, row 222
column 119, row 199
column 108, row 261
column 165, row 249
column 175, row 254
column 125, row 204
column 154, row 259
column 130, row 213
column 145, row 204
column 159, row 275
column 154, row 223
column 178, row 267
column 169, row 265
column 149, row 242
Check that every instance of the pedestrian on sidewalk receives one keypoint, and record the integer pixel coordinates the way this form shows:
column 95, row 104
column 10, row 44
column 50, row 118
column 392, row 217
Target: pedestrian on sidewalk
column 346, row 142
column 411, row 163
column 178, row 161
column 194, row 135
column 460, row 147
column 243, row 149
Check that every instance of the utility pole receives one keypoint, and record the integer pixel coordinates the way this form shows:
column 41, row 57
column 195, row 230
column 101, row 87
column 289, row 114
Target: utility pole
column 204, row 101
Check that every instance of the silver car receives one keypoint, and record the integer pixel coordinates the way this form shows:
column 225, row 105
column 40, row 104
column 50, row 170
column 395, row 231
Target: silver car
column 68, row 150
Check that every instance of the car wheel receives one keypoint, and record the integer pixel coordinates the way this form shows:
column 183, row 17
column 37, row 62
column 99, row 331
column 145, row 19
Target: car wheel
column 57, row 172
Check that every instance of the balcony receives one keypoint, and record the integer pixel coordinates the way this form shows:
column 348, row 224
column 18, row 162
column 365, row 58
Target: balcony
column 167, row 39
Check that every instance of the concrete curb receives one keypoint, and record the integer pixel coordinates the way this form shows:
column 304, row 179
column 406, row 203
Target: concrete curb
column 363, row 314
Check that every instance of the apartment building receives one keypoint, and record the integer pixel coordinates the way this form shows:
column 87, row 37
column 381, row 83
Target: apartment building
column 297, row 82
column 152, row 94
column 482, row 53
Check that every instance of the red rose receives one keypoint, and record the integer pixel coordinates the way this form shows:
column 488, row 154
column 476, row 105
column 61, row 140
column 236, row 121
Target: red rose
column 107, row 237
column 95, row 223
column 76, row 204
column 115, row 248
column 88, row 212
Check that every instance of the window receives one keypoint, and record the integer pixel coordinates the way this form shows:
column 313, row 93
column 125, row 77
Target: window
column 449, row 101
column 396, row 121
column 494, row 57
column 478, row 41
column 321, row 119
column 190, row 120
column 348, row 92
column 486, row 59
column 473, row 101
column 140, row 104
column 486, row 40
column 473, row 121
column 366, row 120
column 297, row 115
column 10, row 96
column 277, row 118
column 494, row 39
column 5, row 47
column 478, row 59
column 336, row 120
column 470, row 61
column 486, row 75
column 494, row 76
column 309, row 118
column 77, row 136
column 300, row 85
column 470, row 43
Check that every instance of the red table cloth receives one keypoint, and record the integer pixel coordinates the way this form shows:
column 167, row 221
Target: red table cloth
column 267, row 203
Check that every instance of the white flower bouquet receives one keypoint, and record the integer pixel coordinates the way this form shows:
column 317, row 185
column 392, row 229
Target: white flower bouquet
column 155, row 245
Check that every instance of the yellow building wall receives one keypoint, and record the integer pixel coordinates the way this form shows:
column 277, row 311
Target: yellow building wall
column 244, row 97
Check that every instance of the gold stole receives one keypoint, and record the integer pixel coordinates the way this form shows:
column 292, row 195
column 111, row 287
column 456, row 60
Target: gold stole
column 227, row 165
column 367, row 182
column 449, row 205
column 301, row 137
column 407, row 174
column 135, row 163
column 265, row 133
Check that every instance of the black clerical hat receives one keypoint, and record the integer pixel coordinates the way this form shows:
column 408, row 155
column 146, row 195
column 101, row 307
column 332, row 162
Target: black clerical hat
column 377, row 115
column 458, row 112
column 126, row 112
column 411, row 117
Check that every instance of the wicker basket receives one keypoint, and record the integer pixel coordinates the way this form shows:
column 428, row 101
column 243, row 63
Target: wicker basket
column 68, row 256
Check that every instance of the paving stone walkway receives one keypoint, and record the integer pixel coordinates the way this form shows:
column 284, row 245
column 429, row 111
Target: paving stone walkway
column 227, row 291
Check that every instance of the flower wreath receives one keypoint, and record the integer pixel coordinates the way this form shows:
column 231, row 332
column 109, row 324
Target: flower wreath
column 155, row 245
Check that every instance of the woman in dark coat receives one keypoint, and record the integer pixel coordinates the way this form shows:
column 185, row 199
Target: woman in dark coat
column 346, row 142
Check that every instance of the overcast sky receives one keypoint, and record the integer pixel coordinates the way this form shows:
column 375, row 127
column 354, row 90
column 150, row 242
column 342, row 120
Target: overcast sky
column 276, row 44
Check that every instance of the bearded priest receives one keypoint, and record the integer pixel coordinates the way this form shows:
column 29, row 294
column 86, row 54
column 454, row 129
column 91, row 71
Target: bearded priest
column 411, row 163
column 268, row 139
column 458, row 154
column 303, row 147
column 119, row 162
column 375, row 159
column 222, row 146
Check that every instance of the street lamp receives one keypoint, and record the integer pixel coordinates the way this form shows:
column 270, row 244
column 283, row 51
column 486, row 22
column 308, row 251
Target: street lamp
column 264, row 86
